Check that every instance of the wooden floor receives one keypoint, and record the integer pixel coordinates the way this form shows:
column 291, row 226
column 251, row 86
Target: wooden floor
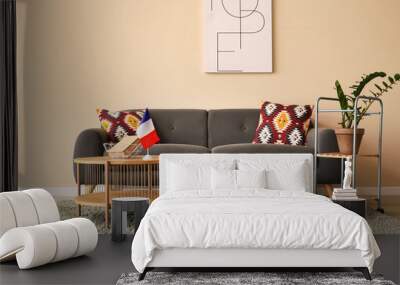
column 391, row 204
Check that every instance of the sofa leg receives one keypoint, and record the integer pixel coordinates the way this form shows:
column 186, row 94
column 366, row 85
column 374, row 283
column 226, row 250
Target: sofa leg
column 143, row 274
column 364, row 271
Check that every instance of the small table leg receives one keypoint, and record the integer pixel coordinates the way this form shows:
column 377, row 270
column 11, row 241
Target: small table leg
column 107, row 190
column 149, row 173
column 116, row 222
column 106, row 215
column 78, row 184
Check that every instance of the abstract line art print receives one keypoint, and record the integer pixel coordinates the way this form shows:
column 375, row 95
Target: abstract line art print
column 237, row 36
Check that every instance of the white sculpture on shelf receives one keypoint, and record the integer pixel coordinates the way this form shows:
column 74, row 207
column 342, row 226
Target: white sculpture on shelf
column 348, row 174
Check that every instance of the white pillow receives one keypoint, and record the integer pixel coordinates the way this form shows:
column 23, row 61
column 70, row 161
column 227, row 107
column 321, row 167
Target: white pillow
column 281, row 174
column 223, row 179
column 182, row 178
column 187, row 175
column 251, row 178
column 227, row 179
column 292, row 179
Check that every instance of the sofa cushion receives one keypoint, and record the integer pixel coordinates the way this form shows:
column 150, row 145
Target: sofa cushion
column 260, row 148
column 177, row 148
column 283, row 124
column 181, row 126
column 119, row 124
column 231, row 126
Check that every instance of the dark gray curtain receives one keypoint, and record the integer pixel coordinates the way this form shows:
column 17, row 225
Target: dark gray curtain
column 8, row 97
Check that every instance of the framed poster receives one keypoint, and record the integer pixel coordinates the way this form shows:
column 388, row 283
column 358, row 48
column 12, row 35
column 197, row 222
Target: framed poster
column 237, row 36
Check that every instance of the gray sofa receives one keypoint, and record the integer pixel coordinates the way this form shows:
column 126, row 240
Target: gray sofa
column 215, row 131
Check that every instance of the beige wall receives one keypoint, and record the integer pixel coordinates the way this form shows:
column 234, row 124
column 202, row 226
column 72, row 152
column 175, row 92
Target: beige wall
column 76, row 55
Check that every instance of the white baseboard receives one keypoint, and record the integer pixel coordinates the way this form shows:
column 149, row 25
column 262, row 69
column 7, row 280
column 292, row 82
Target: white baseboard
column 67, row 193
column 386, row 191
column 59, row 193
column 62, row 193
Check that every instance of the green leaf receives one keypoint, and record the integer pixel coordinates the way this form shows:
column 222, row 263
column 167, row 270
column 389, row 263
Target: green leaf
column 347, row 102
column 379, row 88
column 386, row 85
column 342, row 98
column 343, row 102
column 365, row 80
column 373, row 93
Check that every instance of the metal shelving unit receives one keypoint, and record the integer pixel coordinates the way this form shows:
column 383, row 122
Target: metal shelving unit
column 354, row 155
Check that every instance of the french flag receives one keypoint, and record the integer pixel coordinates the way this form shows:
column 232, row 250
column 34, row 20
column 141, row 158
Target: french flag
column 146, row 131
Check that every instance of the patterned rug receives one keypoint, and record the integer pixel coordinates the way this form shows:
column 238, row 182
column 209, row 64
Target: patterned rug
column 379, row 223
column 244, row 278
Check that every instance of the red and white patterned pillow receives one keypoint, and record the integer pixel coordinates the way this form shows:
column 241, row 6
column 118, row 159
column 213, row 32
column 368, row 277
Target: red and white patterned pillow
column 283, row 124
column 119, row 124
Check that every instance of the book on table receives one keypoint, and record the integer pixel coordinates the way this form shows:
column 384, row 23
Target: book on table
column 125, row 148
column 344, row 194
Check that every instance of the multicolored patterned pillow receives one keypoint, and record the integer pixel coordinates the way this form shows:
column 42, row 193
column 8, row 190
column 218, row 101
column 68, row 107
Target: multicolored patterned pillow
column 281, row 124
column 119, row 124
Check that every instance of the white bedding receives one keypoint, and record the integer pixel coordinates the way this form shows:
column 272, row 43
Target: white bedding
column 250, row 219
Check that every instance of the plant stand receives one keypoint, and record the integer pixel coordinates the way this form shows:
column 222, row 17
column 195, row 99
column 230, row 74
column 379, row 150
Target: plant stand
column 354, row 155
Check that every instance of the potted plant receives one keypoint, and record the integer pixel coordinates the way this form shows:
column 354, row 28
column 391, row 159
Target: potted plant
column 344, row 134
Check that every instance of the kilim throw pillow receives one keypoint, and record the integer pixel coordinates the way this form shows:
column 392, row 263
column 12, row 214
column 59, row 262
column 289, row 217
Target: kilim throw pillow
column 119, row 124
column 283, row 124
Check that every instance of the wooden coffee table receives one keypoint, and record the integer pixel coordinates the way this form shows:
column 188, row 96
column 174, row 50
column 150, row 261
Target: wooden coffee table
column 104, row 178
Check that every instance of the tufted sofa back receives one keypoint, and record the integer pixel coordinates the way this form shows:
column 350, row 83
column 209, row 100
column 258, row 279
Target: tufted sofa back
column 231, row 126
column 205, row 128
column 181, row 126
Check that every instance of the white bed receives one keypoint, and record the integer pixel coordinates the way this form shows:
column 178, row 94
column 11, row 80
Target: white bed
column 198, row 222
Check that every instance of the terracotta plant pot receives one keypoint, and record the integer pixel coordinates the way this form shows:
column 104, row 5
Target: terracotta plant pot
column 344, row 138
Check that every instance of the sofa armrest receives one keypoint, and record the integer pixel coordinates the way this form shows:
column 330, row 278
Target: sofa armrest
column 328, row 169
column 90, row 143
column 327, row 140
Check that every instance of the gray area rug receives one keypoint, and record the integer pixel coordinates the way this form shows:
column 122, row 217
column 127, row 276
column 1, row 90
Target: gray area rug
column 68, row 210
column 269, row 278
column 379, row 223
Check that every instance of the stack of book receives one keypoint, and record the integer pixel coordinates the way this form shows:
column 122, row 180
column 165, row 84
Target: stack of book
column 344, row 194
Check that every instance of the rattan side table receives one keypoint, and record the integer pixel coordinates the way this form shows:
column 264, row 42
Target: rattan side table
column 104, row 178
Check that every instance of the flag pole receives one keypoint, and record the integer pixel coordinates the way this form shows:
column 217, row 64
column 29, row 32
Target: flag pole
column 147, row 156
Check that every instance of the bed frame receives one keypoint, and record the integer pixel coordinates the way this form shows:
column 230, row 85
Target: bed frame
column 242, row 259
column 246, row 259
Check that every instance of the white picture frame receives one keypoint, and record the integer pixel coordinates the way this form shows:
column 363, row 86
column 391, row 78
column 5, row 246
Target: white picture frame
column 237, row 36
